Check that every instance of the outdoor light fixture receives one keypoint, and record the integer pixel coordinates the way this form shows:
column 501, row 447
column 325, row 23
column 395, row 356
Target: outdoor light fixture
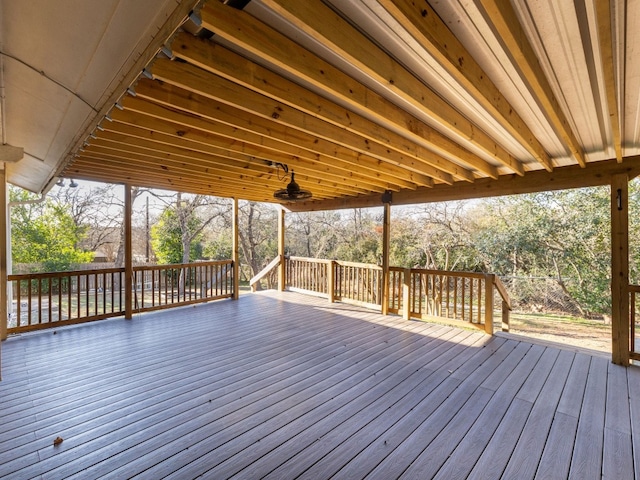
column 60, row 182
column 73, row 184
column 293, row 192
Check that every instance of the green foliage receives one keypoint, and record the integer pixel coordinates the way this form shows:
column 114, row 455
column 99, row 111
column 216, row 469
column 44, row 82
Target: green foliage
column 166, row 238
column 219, row 247
column 45, row 234
column 562, row 235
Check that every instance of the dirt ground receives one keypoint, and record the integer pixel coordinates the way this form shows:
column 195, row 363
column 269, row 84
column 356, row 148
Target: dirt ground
column 590, row 334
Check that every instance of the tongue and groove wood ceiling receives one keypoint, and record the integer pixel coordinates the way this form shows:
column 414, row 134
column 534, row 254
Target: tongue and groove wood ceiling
column 437, row 99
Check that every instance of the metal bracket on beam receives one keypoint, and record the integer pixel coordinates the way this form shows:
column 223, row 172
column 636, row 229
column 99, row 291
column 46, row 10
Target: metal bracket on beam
column 387, row 196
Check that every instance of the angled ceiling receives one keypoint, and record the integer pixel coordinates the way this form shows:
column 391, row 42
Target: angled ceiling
column 358, row 97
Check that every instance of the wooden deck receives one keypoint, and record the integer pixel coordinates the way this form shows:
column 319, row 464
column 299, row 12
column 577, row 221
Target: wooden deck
column 287, row 386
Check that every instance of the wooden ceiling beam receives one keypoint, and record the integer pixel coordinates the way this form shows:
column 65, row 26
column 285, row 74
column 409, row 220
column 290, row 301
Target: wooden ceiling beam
column 151, row 116
column 158, row 141
column 193, row 104
column 274, row 48
column 171, row 164
column 97, row 162
column 504, row 21
column 223, row 62
column 561, row 178
column 605, row 26
column 426, row 27
column 196, row 80
column 327, row 27
column 226, row 160
column 162, row 182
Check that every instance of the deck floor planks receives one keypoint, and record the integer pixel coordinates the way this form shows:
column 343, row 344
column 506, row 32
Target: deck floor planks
column 497, row 453
column 315, row 393
column 420, row 427
column 587, row 453
column 469, row 449
column 556, row 458
column 397, row 372
column 290, row 374
column 166, row 440
column 428, row 463
column 633, row 375
column 144, row 391
column 617, row 450
column 526, row 456
column 287, row 370
column 320, row 443
column 320, row 439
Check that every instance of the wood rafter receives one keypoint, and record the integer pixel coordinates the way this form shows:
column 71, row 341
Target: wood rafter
column 200, row 82
column 202, row 107
column 327, row 27
column 335, row 94
column 560, row 178
column 263, row 41
column 504, row 20
column 233, row 67
column 209, row 144
column 435, row 37
column 603, row 17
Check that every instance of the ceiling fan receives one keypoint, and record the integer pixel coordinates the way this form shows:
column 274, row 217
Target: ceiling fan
column 293, row 192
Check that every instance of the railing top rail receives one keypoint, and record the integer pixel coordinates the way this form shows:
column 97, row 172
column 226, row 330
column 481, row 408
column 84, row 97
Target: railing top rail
column 502, row 291
column 139, row 268
column 309, row 259
column 100, row 271
column 449, row 273
column 372, row 266
column 634, row 288
column 69, row 273
column 337, row 262
column 264, row 272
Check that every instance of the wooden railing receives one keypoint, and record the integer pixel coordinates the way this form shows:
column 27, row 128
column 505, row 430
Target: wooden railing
column 309, row 275
column 465, row 296
column 264, row 273
column 162, row 286
column 633, row 319
column 359, row 283
column 44, row 300
column 415, row 293
column 351, row 282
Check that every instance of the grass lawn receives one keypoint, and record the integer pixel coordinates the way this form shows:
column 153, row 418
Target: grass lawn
column 592, row 334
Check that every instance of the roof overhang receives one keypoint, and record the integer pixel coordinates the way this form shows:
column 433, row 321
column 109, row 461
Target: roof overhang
column 425, row 100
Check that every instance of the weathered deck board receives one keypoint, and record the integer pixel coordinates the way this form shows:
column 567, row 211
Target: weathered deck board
column 288, row 386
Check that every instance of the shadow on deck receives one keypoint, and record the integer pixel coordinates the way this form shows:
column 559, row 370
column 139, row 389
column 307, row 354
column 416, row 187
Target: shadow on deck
column 282, row 385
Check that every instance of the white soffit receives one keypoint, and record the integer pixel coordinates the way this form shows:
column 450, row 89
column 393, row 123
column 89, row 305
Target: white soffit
column 61, row 63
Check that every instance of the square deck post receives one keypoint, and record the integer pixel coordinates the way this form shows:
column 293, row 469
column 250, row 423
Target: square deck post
column 128, row 255
column 386, row 238
column 620, row 327
column 282, row 268
column 235, row 246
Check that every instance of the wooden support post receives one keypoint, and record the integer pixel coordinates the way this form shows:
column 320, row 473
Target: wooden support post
column 386, row 238
column 505, row 316
column 282, row 268
column 406, row 294
column 488, row 303
column 331, row 280
column 235, row 246
column 128, row 255
column 620, row 269
column 4, row 240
